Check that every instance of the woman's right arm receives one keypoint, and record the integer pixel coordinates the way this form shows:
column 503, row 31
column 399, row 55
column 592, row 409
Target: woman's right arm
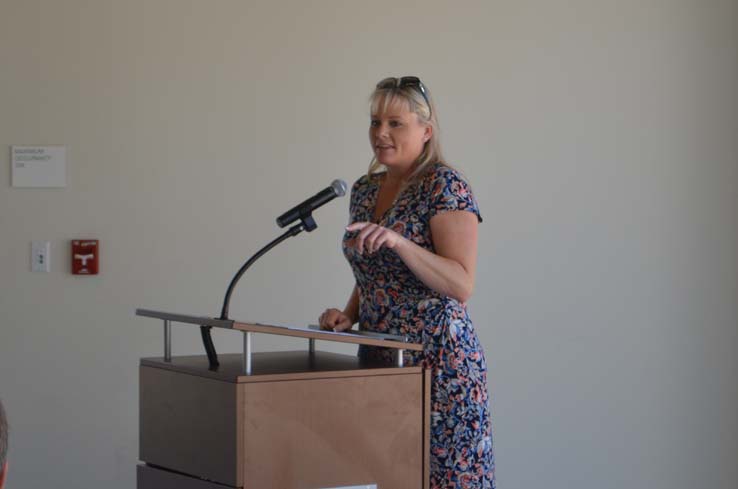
column 337, row 320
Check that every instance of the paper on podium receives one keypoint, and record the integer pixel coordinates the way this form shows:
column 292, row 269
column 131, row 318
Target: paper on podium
column 368, row 334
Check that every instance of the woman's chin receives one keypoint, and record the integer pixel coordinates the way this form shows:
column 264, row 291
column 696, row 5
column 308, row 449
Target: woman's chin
column 386, row 161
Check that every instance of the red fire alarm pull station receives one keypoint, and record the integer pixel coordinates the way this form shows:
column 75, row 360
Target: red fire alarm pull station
column 85, row 255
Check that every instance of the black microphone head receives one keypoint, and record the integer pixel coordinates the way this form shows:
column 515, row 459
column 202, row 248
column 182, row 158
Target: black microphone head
column 336, row 189
column 339, row 187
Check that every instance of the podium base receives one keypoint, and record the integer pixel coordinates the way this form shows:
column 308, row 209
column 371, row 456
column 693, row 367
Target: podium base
column 148, row 477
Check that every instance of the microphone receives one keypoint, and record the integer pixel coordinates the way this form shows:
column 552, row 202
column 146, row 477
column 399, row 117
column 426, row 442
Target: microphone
column 304, row 209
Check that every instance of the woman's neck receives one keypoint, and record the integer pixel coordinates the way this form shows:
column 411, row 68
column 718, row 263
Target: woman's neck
column 398, row 176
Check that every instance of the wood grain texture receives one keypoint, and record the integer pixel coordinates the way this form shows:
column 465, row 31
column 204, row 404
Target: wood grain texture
column 334, row 432
column 299, row 422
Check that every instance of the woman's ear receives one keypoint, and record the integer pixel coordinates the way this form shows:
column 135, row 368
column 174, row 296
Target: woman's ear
column 428, row 133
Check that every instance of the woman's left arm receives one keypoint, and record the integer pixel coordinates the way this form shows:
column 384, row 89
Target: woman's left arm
column 450, row 270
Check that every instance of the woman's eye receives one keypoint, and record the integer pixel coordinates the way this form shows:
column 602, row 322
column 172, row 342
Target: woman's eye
column 374, row 123
column 395, row 124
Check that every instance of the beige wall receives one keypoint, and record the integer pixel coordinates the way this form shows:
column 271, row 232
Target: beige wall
column 599, row 137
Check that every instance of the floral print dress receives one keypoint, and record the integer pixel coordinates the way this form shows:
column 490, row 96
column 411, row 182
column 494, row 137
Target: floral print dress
column 392, row 300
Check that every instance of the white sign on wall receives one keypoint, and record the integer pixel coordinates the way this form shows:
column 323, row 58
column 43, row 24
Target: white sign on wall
column 39, row 166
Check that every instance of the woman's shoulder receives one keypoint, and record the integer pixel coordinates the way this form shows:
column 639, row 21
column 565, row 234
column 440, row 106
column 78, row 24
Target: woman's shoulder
column 442, row 175
column 448, row 189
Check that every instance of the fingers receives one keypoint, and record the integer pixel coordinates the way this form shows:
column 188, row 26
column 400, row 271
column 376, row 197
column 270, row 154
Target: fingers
column 323, row 319
column 364, row 228
column 371, row 236
column 358, row 226
column 343, row 325
column 384, row 239
column 332, row 318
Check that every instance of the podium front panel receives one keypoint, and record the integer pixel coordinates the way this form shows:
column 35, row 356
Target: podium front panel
column 334, row 432
column 188, row 424
column 300, row 421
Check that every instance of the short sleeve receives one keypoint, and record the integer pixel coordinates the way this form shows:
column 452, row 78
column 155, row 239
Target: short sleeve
column 451, row 192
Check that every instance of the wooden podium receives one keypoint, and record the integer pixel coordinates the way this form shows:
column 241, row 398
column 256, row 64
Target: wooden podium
column 282, row 420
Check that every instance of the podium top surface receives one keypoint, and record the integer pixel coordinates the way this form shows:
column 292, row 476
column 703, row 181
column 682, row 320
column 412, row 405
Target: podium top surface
column 280, row 366
column 355, row 337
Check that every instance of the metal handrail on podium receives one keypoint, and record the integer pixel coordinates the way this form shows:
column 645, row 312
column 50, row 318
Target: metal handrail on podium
column 311, row 333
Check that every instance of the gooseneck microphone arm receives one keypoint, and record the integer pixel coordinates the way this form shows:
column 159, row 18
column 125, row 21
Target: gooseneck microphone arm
column 307, row 224
column 303, row 212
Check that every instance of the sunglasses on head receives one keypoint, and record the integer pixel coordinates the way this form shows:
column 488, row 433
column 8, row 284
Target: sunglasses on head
column 406, row 81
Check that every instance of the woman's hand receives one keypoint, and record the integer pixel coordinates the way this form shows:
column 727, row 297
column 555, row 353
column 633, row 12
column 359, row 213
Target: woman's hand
column 372, row 237
column 449, row 269
column 335, row 320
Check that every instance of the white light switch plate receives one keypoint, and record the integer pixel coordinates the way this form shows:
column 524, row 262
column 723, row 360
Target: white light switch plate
column 40, row 256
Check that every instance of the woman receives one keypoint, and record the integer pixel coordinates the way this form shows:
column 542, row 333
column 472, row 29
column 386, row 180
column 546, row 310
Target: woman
column 412, row 245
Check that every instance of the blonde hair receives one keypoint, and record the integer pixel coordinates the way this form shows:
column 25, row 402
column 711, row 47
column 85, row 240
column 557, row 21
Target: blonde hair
column 383, row 98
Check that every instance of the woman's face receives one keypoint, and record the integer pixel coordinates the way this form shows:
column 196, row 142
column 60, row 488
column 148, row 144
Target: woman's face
column 397, row 137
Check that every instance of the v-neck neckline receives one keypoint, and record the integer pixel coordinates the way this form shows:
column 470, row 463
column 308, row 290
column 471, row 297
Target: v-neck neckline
column 378, row 186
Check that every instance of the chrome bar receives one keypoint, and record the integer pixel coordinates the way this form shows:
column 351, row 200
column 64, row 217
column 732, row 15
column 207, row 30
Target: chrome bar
column 311, row 346
column 185, row 318
column 167, row 340
column 400, row 359
column 247, row 352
